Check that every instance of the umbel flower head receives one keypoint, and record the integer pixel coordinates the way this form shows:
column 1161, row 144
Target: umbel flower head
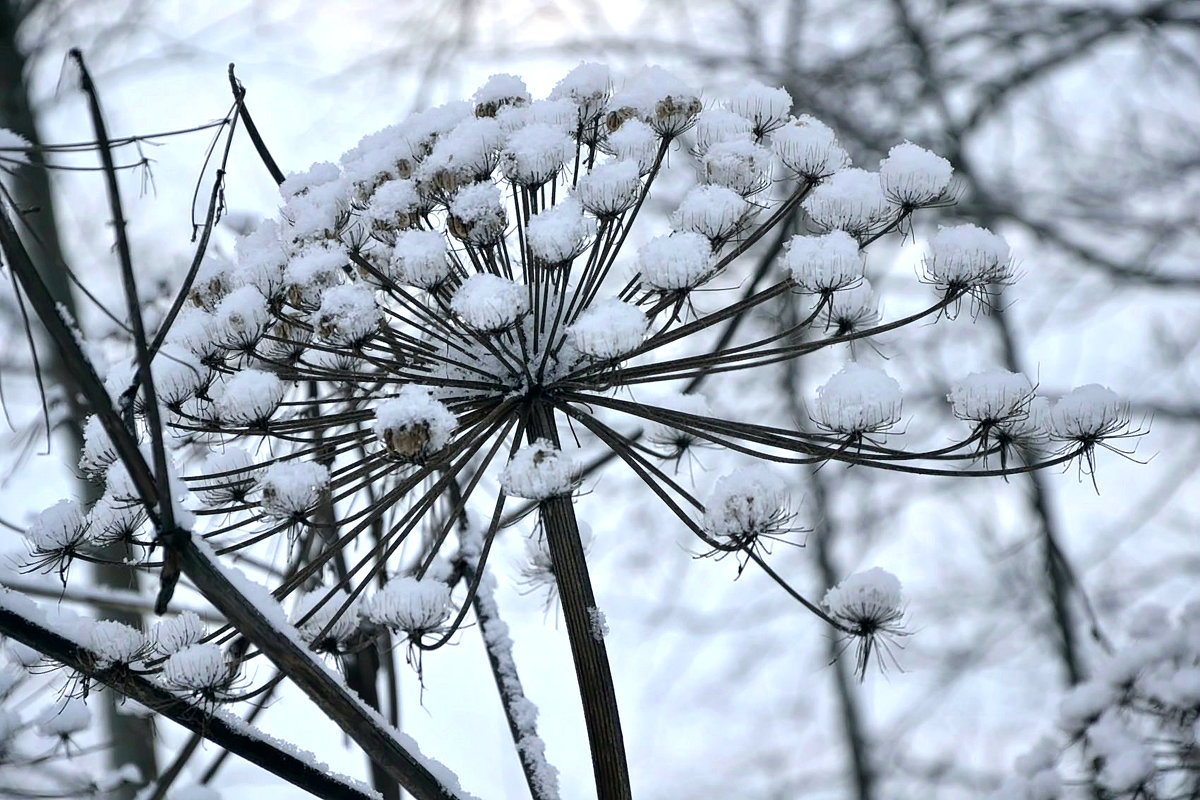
column 401, row 346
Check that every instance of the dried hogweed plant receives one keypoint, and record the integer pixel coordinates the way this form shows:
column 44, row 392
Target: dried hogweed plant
column 453, row 329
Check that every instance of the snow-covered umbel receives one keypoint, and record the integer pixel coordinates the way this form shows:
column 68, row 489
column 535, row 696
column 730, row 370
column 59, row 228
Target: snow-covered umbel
column 348, row 315
column 991, row 397
column 677, row 262
column 967, row 257
column 64, row 718
column 824, row 263
column 320, row 610
column 609, row 329
column 250, row 397
column 610, row 189
column 809, row 148
column 414, row 425
column 912, row 176
column 490, row 303
column 1087, row 414
column 851, row 200
column 858, row 400
column 229, row 475
column 413, row 606
column 539, row 471
column 60, row 528
column 766, row 107
column 115, row 643
column 420, row 258
column 560, row 233
column 171, row 634
column 715, row 212
column 745, row 504
column 864, row 596
column 292, row 489
column 197, row 669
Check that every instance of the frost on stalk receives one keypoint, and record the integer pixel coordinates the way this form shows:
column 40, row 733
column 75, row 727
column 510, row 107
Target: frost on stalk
column 745, row 505
column 766, row 107
column 249, row 398
column 291, row 490
column 657, row 98
column 739, row 165
column 858, row 400
column 419, row 258
column 966, row 258
column 229, row 476
column 851, row 200
column 348, row 316
column 416, row 607
column 115, row 643
column 558, row 234
column 64, row 719
column 490, row 303
column 870, row 606
column 414, row 425
column 539, row 471
column 912, row 176
column 676, row 263
column 716, row 212
column 199, row 669
column 716, row 125
column 809, row 149
column 820, row 264
column 310, row 620
column 609, row 190
column 609, row 329
column 172, row 634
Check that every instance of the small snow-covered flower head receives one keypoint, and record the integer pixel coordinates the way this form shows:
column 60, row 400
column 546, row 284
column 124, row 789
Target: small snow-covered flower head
column 744, row 505
column 60, row 528
column 673, row 442
column 537, row 569
column 490, row 303
column 477, row 215
column 854, row 308
column 636, row 142
column 316, row 611
column 967, row 258
column 229, row 476
column 291, row 490
column 98, row 450
column 588, row 87
column 115, row 643
column 172, row 634
column 716, row 125
column 869, row 605
column 676, row 263
column 716, row 212
column 858, row 400
column 991, row 397
column 609, row 329
column 414, row 425
column 535, row 154
column 539, row 471
column 740, row 165
column 178, row 375
column 657, row 98
column 611, row 189
column 118, row 514
column 500, row 91
column 249, row 398
column 766, row 107
column 348, row 316
column 1088, row 416
column 560, row 233
column 413, row 606
column 851, row 199
column 912, row 176
column 419, row 258
column 63, row 719
column 241, row 319
column 809, row 149
column 198, row 669
column 824, row 263
column 396, row 205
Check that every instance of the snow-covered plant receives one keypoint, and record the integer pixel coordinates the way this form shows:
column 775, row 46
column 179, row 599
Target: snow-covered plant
column 400, row 349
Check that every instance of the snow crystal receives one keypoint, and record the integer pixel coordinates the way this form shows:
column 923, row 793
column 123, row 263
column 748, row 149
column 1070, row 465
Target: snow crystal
column 610, row 189
column 558, row 234
column 740, row 165
column 63, row 719
column 115, row 643
column 608, row 329
column 716, row 125
column 500, row 90
column 913, row 176
column 343, row 628
column 1087, row 413
column 824, row 263
column 857, row 400
column 414, row 425
column 765, row 106
column 196, row 668
column 850, row 199
column 634, row 141
column 809, row 148
column 487, row 302
column 410, row 605
column 874, row 594
column 348, row 314
column 250, row 397
column 967, row 256
column 172, row 634
column 744, row 504
column 539, row 471
column 60, row 527
column 677, row 262
column 477, row 214
column 291, row 489
column 13, row 148
column 535, row 154
column 717, row 212
column 419, row 259
column 991, row 396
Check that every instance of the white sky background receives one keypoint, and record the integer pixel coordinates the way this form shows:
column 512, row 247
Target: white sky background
column 288, row 55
